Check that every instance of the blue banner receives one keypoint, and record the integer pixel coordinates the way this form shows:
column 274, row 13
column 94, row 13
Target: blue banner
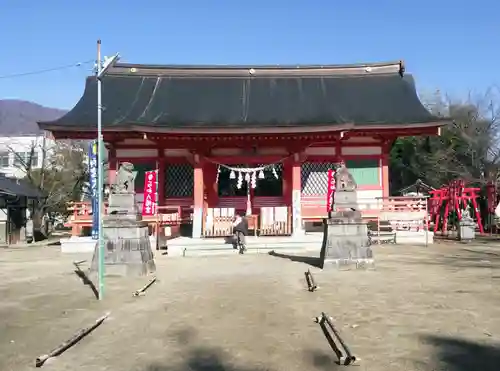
column 93, row 189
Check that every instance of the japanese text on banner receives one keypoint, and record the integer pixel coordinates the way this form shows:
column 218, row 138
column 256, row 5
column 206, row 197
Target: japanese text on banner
column 330, row 190
column 150, row 193
column 93, row 188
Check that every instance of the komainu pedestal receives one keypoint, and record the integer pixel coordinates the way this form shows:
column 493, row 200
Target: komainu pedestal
column 127, row 248
column 345, row 239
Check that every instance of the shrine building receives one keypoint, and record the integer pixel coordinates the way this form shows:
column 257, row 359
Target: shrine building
column 255, row 140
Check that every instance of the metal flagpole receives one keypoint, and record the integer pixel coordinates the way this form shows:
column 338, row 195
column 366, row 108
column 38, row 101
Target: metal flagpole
column 100, row 172
column 101, row 70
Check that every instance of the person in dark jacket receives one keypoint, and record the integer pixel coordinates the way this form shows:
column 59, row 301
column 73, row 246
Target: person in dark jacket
column 240, row 231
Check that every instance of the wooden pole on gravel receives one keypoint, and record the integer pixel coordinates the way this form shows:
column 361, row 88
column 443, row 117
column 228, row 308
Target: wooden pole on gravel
column 80, row 334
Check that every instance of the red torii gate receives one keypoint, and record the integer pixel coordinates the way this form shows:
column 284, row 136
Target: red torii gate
column 455, row 196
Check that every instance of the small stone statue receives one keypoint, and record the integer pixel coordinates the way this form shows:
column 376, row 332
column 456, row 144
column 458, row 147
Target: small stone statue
column 346, row 239
column 345, row 195
column 125, row 178
column 466, row 213
column 29, row 230
column 344, row 180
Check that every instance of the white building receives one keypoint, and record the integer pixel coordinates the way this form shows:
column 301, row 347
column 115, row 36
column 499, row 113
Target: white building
column 16, row 152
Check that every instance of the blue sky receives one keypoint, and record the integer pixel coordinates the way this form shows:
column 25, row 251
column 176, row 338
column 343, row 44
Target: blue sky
column 449, row 45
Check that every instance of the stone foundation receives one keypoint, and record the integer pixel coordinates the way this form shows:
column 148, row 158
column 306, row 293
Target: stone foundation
column 127, row 246
column 345, row 236
column 346, row 245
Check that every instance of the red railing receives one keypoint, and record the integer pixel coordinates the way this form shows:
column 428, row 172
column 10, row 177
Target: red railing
column 314, row 207
column 397, row 210
column 240, row 202
column 175, row 212
column 237, row 203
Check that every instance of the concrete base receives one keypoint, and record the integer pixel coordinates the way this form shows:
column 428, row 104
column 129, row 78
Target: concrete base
column 197, row 222
column 414, row 238
column 180, row 246
column 185, row 246
column 346, row 264
column 127, row 244
column 299, row 233
column 345, row 242
column 130, row 270
column 76, row 244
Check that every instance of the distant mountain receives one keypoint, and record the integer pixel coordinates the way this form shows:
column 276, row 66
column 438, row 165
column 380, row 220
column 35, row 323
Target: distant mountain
column 18, row 117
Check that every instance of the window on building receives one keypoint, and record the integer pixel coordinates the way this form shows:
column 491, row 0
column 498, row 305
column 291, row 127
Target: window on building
column 23, row 159
column 179, row 180
column 4, row 159
column 20, row 159
column 364, row 171
column 314, row 178
column 34, row 159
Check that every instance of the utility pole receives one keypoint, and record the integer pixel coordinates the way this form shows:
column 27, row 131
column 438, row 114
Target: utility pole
column 101, row 70
column 100, row 173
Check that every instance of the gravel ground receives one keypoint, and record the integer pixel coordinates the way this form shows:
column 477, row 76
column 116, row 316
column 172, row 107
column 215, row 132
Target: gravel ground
column 420, row 309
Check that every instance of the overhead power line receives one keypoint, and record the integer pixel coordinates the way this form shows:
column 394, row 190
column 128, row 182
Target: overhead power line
column 38, row 72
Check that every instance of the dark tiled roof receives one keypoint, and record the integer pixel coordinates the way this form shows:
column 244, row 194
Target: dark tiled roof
column 17, row 187
column 418, row 185
column 231, row 97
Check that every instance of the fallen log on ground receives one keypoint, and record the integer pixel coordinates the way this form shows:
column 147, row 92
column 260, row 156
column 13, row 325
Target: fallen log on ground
column 86, row 280
column 80, row 334
column 344, row 355
column 77, row 263
column 311, row 283
column 144, row 288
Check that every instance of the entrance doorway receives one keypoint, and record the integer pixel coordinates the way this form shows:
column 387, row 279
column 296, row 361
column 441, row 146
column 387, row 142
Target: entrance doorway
column 272, row 183
column 268, row 189
column 268, row 184
column 227, row 187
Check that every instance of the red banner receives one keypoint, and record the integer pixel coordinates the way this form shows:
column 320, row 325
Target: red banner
column 149, row 204
column 330, row 190
column 492, row 197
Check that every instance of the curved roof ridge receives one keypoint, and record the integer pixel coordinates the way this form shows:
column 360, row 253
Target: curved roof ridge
column 257, row 70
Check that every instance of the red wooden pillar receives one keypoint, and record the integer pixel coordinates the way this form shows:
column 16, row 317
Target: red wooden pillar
column 161, row 176
column 210, row 182
column 112, row 164
column 297, row 227
column 198, row 197
column 384, row 163
column 287, row 181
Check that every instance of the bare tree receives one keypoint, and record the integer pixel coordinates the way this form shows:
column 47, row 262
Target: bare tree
column 58, row 170
column 469, row 148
